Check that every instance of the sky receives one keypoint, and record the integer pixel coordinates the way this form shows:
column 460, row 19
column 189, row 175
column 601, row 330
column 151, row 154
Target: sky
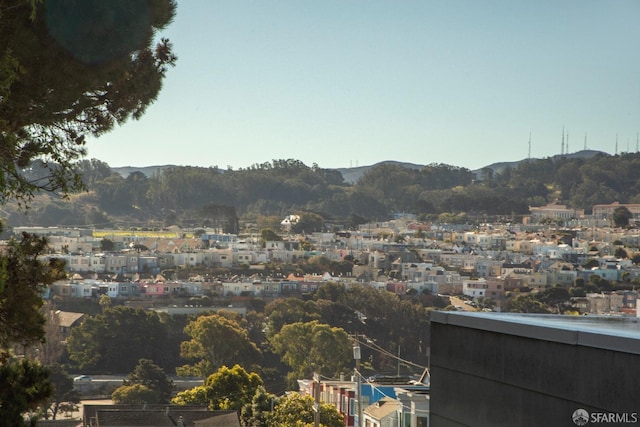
column 346, row 83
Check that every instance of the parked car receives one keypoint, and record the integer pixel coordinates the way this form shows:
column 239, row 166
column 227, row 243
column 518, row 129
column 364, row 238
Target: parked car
column 82, row 378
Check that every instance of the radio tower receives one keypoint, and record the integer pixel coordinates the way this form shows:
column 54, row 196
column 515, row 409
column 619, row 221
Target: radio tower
column 562, row 146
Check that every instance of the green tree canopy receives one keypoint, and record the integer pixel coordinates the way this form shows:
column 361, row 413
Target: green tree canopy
column 258, row 411
column 23, row 278
column 116, row 339
column 215, row 341
column 527, row 304
column 153, row 377
column 313, row 347
column 296, row 410
column 135, row 394
column 71, row 71
column 289, row 310
column 65, row 397
column 25, row 385
column 621, row 216
column 228, row 388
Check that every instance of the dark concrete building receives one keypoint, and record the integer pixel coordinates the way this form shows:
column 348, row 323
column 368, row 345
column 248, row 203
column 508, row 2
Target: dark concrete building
column 503, row 369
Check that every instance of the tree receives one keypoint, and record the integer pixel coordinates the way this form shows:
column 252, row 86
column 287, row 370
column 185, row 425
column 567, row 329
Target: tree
column 107, row 245
column 313, row 347
column 23, row 278
column 228, row 389
column 554, row 297
column 25, row 385
column 153, row 377
column 297, row 410
column 69, row 71
column 621, row 253
column 621, row 216
column 331, row 291
column 135, row 394
column 283, row 311
column 527, row 304
column 216, row 341
column 258, row 411
column 268, row 235
column 104, row 302
column 65, row 398
column 591, row 263
column 116, row 339
column 50, row 348
column 308, row 223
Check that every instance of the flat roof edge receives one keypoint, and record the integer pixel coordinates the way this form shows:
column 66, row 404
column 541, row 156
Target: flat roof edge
column 540, row 328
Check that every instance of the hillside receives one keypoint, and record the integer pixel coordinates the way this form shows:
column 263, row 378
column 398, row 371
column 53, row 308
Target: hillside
column 160, row 196
column 351, row 175
column 501, row 166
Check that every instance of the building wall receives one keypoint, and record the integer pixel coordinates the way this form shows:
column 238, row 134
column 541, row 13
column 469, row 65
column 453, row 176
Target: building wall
column 487, row 372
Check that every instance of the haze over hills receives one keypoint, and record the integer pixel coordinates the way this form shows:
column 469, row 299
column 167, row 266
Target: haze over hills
column 352, row 174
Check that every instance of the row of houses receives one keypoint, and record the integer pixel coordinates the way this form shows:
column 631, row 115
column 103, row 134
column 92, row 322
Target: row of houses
column 369, row 402
column 78, row 287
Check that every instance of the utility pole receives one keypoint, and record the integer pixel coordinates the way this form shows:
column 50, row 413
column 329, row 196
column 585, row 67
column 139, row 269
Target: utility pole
column 356, row 356
column 316, row 404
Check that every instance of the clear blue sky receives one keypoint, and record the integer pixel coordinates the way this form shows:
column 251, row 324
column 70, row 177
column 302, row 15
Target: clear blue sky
column 351, row 83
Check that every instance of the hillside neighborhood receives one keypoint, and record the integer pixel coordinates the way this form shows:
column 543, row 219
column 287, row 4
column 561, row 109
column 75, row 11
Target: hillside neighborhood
column 487, row 262
column 472, row 268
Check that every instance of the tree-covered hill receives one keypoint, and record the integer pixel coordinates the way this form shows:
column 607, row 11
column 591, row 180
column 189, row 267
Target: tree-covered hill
column 197, row 196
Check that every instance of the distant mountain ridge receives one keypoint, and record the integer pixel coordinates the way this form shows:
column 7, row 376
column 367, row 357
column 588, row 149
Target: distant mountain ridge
column 352, row 175
column 583, row 154
column 149, row 171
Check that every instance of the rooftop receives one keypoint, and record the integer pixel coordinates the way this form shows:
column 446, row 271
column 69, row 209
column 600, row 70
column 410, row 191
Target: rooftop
column 611, row 333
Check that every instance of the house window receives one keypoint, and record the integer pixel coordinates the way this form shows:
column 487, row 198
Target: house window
column 407, row 419
column 422, row 422
column 352, row 407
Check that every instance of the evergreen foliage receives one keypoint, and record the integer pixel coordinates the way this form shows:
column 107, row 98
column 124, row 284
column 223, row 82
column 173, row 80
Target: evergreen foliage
column 196, row 196
column 71, row 70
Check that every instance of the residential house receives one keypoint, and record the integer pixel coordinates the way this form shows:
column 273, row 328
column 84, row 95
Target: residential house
column 116, row 263
column 398, row 288
column 606, row 211
column 483, row 288
column 508, row 268
column 414, row 408
column 555, row 212
column 68, row 320
column 537, row 281
column 462, row 261
column 385, row 412
column 562, row 273
column 148, row 415
column 488, row 267
column 412, row 397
